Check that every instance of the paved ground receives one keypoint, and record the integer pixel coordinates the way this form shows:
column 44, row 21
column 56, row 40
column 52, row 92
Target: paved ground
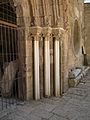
column 74, row 105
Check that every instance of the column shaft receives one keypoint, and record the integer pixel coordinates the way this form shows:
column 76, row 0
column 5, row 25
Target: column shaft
column 57, row 67
column 36, row 70
column 47, row 66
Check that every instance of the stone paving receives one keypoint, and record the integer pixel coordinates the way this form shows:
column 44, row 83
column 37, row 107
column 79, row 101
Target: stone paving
column 73, row 105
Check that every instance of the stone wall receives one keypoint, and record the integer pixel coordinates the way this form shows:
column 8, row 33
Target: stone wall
column 75, row 17
column 87, row 30
column 59, row 16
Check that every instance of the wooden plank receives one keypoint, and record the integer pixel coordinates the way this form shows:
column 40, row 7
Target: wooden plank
column 8, row 24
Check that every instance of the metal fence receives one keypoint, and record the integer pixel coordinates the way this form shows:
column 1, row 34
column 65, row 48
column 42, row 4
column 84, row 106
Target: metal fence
column 10, row 69
column 11, row 80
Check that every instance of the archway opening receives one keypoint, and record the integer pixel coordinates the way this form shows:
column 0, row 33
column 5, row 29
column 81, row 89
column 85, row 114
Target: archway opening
column 11, row 81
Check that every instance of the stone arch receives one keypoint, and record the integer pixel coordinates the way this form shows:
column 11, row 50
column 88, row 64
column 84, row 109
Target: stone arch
column 41, row 13
column 23, row 22
column 11, row 54
column 22, row 10
column 31, row 11
column 24, row 16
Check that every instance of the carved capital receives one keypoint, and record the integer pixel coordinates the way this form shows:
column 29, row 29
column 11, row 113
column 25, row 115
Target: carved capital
column 58, row 33
column 46, row 31
column 35, row 31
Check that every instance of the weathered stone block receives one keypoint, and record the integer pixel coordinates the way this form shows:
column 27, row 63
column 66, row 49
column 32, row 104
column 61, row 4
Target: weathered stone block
column 75, row 78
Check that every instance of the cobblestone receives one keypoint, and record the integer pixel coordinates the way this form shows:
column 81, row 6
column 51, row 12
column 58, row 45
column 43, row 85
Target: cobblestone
column 73, row 105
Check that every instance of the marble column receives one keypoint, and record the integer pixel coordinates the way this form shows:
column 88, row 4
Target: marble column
column 57, row 66
column 47, row 66
column 46, row 32
column 56, row 36
column 35, row 32
column 36, row 69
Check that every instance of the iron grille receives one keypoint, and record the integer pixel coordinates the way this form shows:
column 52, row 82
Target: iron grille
column 11, row 79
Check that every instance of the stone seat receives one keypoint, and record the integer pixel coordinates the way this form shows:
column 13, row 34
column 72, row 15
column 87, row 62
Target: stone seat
column 75, row 75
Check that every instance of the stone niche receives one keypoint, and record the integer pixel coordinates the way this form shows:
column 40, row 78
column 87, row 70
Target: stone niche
column 76, row 37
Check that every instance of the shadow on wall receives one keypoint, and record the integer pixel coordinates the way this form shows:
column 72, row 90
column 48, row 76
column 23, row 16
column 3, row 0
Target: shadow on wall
column 85, row 60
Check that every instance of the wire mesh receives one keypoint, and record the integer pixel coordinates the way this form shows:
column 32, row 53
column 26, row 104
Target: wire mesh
column 7, row 11
column 11, row 80
column 10, row 73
